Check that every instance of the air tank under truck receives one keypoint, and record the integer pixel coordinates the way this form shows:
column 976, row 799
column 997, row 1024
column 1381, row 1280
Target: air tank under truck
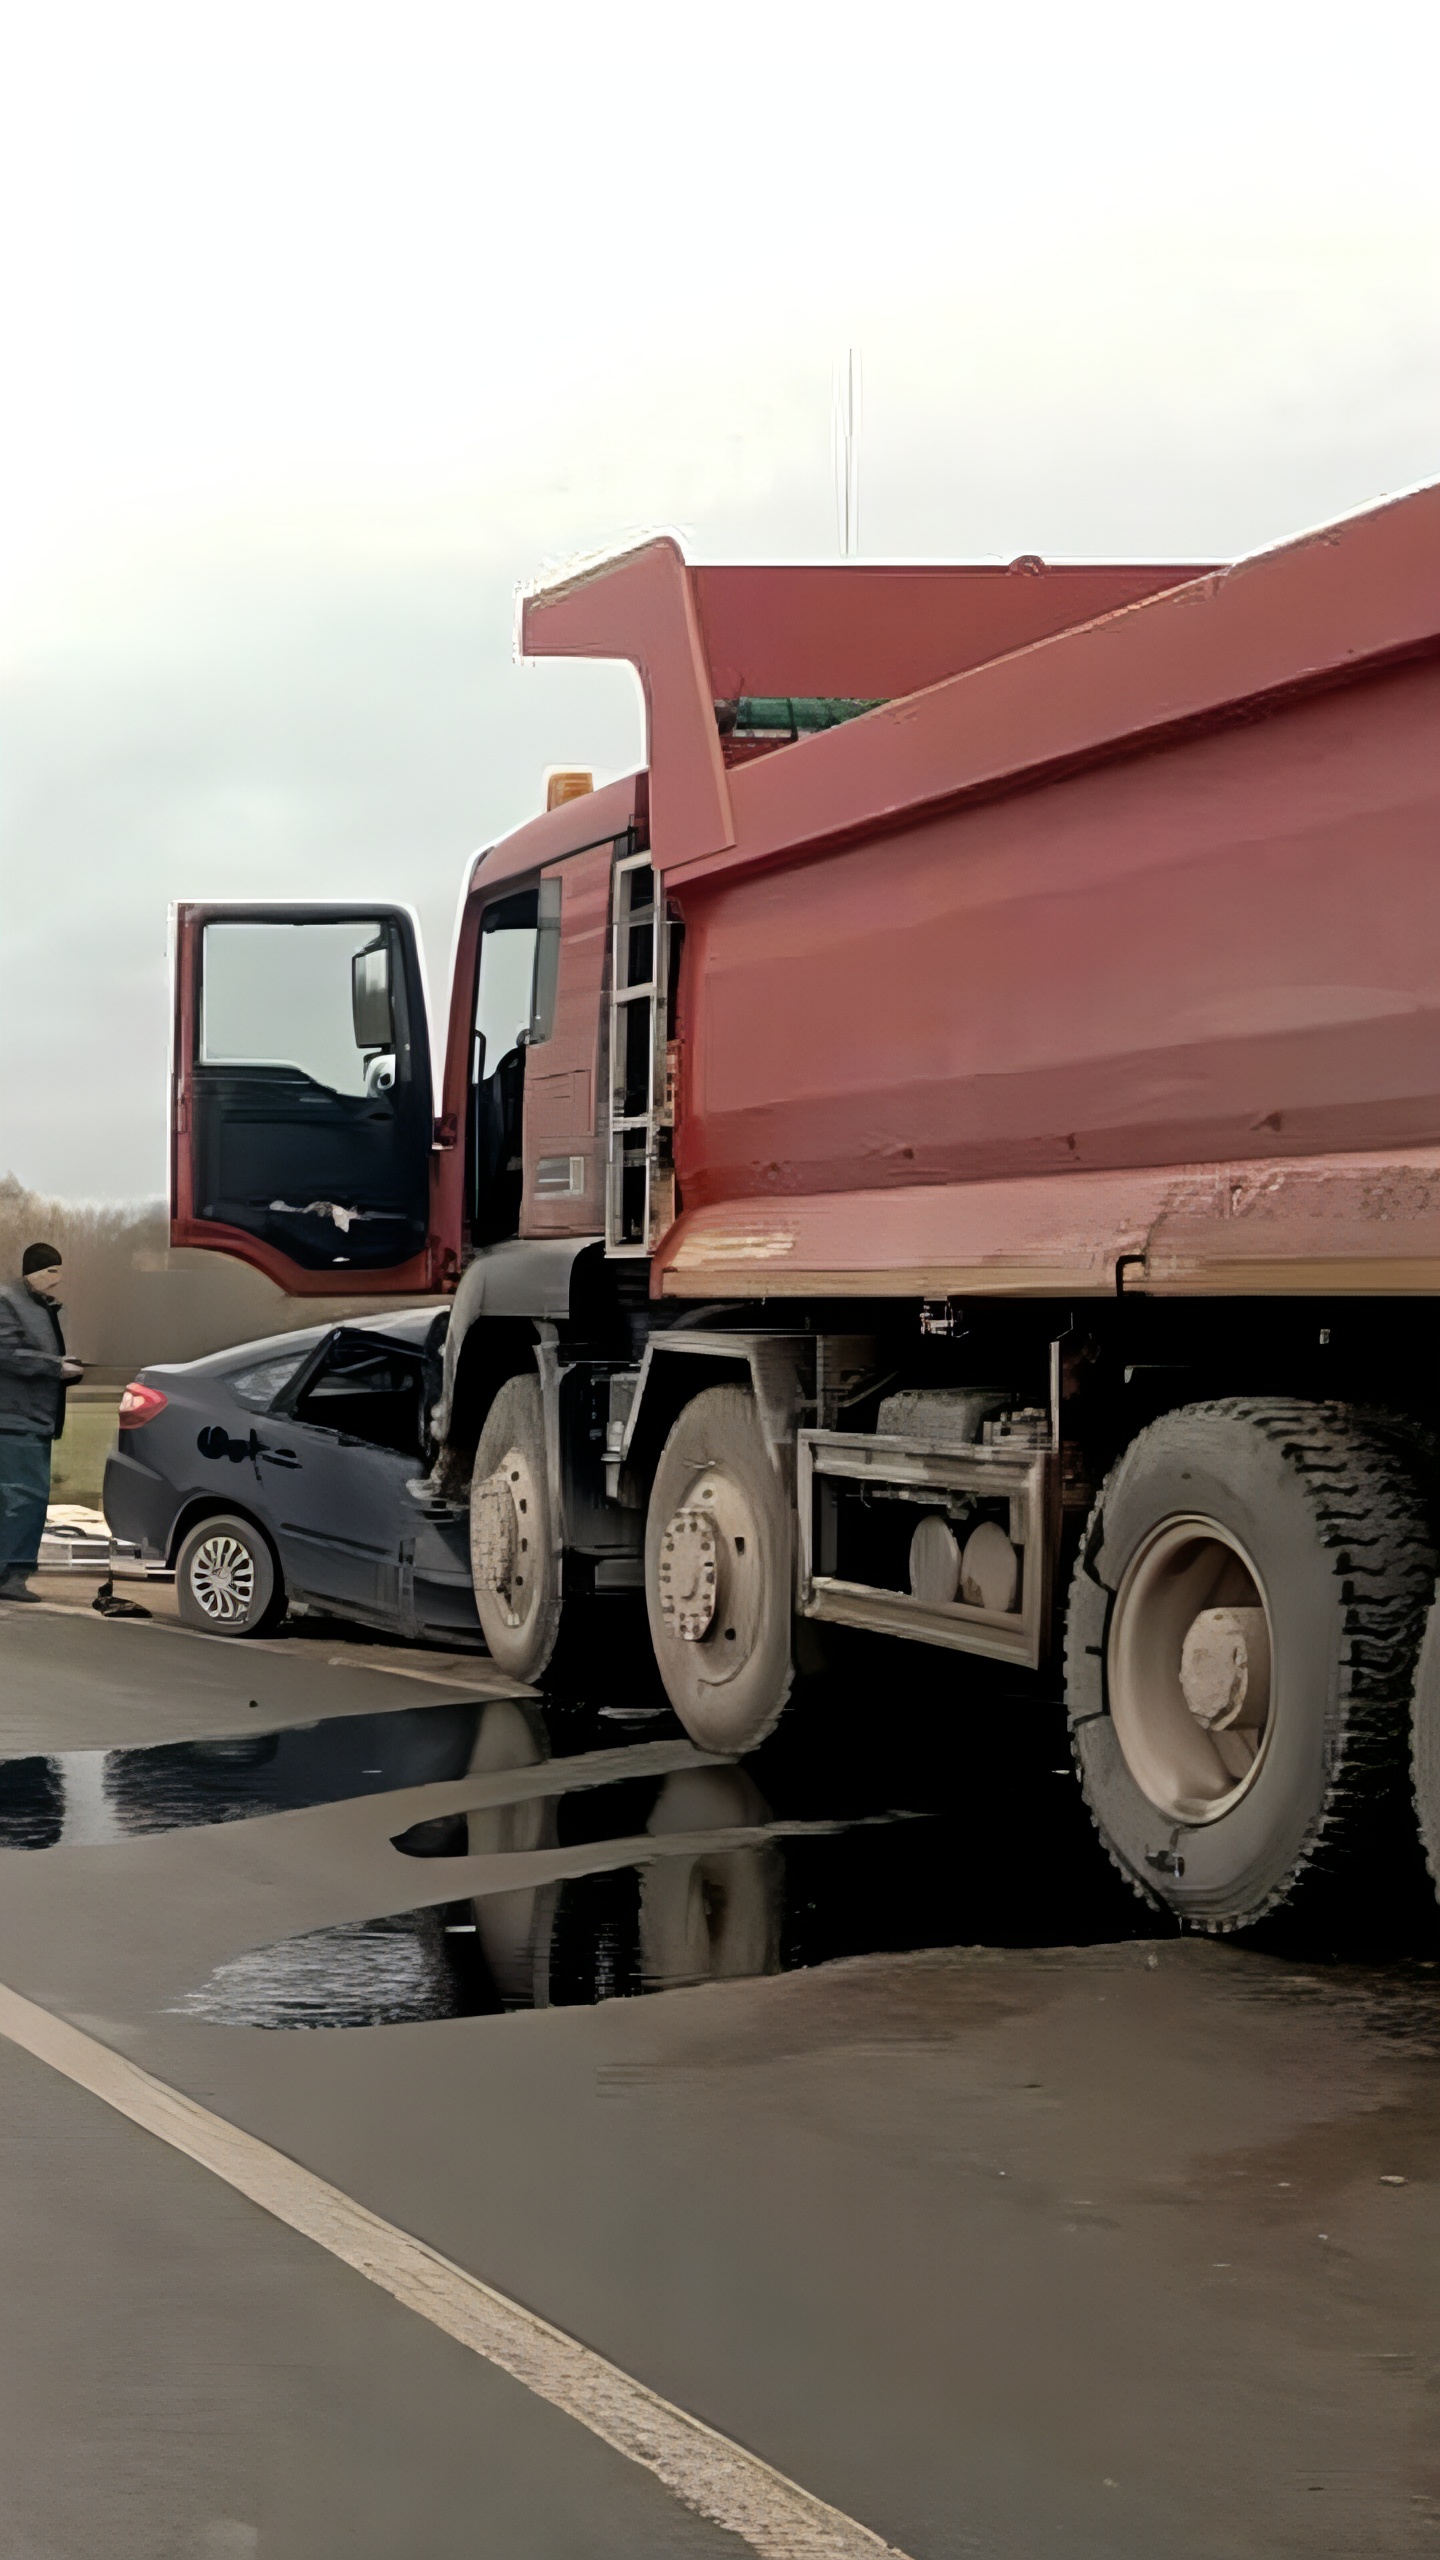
column 951, row 1149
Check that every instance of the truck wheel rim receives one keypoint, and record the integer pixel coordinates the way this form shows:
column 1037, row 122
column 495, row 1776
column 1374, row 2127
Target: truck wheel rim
column 688, row 1574
column 222, row 1578
column 1190, row 1669
column 710, row 1576
column 507, row 1521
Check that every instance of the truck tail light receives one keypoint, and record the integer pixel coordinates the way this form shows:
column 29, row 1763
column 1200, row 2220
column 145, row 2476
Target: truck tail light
column 140, row 1404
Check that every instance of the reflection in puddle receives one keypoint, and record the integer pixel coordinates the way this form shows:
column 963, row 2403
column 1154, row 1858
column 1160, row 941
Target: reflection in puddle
column 580, row 1850
column 80, row 1797
column 32, row 1804
column 365, row 1973
column 642, row 1884
column 644, row 1917
column 710, row 1915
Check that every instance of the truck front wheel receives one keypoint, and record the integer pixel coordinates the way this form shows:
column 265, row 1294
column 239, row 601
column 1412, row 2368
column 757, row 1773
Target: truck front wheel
column 1242, row 1626
column 718, row 1573
column 513, row 1562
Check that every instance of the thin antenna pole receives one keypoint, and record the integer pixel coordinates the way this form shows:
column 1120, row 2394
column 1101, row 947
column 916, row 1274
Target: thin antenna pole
column 847, row 390
column 849, row 441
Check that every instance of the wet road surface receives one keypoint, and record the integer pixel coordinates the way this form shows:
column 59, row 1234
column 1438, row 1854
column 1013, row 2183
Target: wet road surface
column 933, row 2167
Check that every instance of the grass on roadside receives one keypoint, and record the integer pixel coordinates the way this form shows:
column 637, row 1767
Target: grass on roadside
column 78, row 1462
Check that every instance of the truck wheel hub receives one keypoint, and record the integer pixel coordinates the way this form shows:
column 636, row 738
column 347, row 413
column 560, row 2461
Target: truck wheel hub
column 1225, row 1668
column 1189, row 1674
column 688, row 1573
column 505, row 1513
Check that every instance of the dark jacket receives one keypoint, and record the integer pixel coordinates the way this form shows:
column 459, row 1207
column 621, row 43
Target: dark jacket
column 32, row 1346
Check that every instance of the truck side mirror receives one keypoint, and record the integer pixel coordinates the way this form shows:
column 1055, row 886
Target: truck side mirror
column 370, row 1000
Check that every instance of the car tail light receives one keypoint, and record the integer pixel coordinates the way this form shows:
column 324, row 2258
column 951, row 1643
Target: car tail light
column 140, row 1404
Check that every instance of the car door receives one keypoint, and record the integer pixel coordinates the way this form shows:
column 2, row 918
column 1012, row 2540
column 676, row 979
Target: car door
column 346, row 1524
column 302, row 1122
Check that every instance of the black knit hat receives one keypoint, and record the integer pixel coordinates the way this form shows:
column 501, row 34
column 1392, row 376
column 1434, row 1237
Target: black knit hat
column 40, row 1257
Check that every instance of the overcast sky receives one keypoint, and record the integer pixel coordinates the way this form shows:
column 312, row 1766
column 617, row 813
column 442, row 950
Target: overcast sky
column 324, row 325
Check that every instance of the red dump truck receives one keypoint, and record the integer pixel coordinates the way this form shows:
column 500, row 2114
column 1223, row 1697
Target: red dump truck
column 951, row 1148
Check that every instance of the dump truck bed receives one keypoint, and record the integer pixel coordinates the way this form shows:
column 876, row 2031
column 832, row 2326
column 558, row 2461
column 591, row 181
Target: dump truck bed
column 1125, row 943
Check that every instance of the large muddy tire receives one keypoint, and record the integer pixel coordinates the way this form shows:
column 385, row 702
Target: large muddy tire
column 1241, row 1636
column 227, row 1578
column 1425, row 1742
column 719, row 1573
column 514, row 1564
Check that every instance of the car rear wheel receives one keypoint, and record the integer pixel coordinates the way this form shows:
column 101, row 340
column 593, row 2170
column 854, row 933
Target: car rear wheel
column 227, row 1580
column 1242, row 1627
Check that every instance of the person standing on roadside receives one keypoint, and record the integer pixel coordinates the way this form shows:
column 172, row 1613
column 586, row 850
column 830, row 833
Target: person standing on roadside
column 35, row 1370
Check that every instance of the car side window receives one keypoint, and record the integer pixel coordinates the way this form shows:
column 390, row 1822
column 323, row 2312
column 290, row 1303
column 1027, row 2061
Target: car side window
column 259, row 1387
column 370, row 1390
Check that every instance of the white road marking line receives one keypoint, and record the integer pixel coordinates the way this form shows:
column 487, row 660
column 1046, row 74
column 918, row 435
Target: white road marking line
column 482, row 1681
column 478, row 1681
column 715, row 2478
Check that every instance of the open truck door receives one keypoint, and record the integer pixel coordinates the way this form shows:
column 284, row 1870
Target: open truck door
column 301, row 1110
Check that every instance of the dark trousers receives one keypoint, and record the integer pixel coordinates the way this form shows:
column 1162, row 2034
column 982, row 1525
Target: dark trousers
column 24, row 1498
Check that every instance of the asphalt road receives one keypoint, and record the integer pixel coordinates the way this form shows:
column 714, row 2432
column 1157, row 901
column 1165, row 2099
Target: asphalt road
column 996, row 2216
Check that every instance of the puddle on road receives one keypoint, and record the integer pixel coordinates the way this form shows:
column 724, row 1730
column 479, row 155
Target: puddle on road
column 82, row 1797
column 32, row 1803
column 879, row 1818
column 666, row 1882
column 874, row 1820
column 636, row 1869
column 365, row 1973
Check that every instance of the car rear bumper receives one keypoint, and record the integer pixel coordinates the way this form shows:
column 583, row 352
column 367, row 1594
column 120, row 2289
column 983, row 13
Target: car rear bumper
column 139, row 1505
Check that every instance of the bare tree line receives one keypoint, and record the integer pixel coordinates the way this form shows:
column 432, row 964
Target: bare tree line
column 130, row 1299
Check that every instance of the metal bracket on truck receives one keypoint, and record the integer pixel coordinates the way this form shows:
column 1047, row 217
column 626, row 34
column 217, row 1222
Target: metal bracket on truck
column 776, row 1364
column 973, row 1484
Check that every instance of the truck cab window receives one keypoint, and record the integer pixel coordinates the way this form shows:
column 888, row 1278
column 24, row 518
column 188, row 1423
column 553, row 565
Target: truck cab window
column 309, row 1109
column 284, row 996
column 504, row 1007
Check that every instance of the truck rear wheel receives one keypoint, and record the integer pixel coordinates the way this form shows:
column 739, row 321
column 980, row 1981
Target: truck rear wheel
column 1242, row 1626
column 513, row 1563
column 718, row 1573
column 1425, row 1742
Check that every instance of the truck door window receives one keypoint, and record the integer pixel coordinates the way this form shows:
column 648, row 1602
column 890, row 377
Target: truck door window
column 504, row 1013
column 310, row 1086
column 284, row 995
